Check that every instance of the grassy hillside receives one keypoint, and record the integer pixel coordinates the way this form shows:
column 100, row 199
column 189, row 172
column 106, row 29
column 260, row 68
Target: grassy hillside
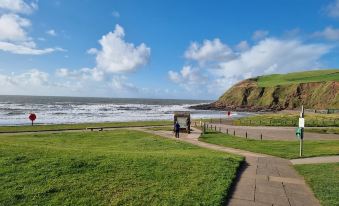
column 313, row 89
column 298, row 77
column 117, row 167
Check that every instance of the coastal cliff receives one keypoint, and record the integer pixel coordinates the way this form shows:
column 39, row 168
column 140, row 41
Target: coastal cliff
column 313, row 89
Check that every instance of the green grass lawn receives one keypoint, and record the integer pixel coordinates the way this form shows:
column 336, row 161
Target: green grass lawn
column 81, row 126
column 289, row 119
column 284, row 149
column 298, row 77
column 118, row 167
column 324, row 181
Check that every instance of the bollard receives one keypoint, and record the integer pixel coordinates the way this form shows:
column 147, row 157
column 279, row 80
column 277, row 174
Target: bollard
column 215, row 128
column 227, row 131
column 260, row 136
column 233, row 132
column 246, row 134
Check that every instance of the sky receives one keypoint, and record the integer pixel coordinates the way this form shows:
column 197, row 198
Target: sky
column 170, row 49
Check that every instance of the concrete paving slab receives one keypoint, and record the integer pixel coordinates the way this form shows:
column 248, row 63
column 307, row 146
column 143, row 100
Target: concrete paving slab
column 239, row 202
column 272, row 199
column 301, row 200
column 296, row 189
column 267, row 189
column 286, row 180
column 316, row 160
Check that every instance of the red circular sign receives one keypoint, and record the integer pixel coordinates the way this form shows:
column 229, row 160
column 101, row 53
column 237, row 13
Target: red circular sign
column 32, row 117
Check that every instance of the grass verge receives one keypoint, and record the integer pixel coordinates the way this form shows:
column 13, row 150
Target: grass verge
column 28, row 128
column 118, row 167
column 289, row 119
column 324, row 181
column 284, row 149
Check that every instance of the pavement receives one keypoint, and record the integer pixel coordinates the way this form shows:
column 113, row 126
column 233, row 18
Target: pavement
column 270, row 133
column 316, row 160
column 262, row 180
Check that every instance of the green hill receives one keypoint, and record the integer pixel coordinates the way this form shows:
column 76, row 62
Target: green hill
column 318, row 89
column 298, row 77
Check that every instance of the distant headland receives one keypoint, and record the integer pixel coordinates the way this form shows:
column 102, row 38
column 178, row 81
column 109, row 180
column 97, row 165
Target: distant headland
column 316, row 89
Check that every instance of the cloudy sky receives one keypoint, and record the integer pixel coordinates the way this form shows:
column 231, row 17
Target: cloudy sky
column 159, row 49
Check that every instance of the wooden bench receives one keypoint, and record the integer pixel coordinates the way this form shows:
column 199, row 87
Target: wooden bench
column 95, row 128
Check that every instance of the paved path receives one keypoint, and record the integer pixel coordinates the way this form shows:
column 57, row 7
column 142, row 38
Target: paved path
column 272, row 133
column 316, row 160
column 263, row 180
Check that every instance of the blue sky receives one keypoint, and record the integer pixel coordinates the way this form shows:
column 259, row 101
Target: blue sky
column 159, row 49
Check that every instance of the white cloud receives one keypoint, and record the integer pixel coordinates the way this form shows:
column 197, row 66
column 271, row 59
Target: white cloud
column 333, row 9
column 174, row 76
column 209, row 50
column 13, row 34
column 242, row 46
column 121, row 84
column 81, row 74
column 116, row 55
column 259, row 34
column 274, row 55
column 12, row 28
column 31, row 78
column 18, row 6
column 27, row 48
column 51, row 32
column 188, row 77
column 92, row 51
column 36, row 82
column 329, row 33
column 116, row 14
column 270, row 55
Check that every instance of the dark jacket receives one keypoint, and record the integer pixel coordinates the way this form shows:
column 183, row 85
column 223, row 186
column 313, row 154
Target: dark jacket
column 177, row 127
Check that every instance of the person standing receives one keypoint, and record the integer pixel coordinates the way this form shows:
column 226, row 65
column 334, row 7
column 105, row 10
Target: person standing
column 176, row 129
column 188, row 124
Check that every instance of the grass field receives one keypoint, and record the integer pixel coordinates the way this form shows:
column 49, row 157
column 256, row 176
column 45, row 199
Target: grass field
column 118, row 167
column 289, row 119
column 284, row 149
column 80, row 126
column 324, row 181
column 298, row 77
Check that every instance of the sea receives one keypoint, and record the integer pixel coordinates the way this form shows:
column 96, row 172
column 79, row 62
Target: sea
column 14, row 110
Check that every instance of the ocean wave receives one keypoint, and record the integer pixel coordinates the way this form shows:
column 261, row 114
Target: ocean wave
column 75, row 110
